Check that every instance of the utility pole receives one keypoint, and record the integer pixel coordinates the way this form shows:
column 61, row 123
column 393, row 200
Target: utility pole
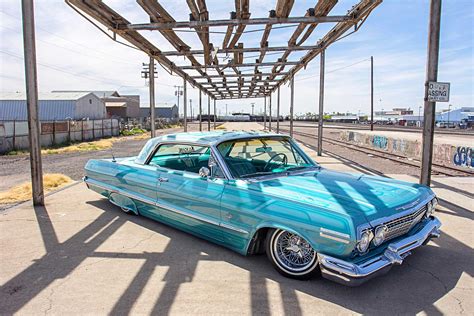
column 177, row 93
column 371, row 93
column 430, row 107
column 321, row 102
column 185, row 101
column 151, row 76
column 449, row 110
column 278, row 110
column 29, row 47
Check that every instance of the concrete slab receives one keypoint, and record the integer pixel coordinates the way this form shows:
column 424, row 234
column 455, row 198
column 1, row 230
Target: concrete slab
column 80, row 254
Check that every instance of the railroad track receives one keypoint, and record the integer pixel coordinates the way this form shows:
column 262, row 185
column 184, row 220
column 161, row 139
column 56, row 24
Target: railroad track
column 436, row 168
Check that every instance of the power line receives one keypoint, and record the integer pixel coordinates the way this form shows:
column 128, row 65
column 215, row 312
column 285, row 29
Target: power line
column 337, row 69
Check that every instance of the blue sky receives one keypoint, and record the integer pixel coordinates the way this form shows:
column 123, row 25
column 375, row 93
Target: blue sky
column 73, row 55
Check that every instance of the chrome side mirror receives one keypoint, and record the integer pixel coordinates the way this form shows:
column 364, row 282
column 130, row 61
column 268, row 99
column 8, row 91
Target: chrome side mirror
column 204, row 172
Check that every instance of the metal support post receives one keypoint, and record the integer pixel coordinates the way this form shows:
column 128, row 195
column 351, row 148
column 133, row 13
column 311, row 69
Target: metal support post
column 321, row 103
column 151, row 77
column 185, row 102
column 292, row 97
column 270, row 112
column 371, row 93
column 32, row 101
column 208, row 113
column 431, row 75
column 215, row 114
column 265, row 113
column 278, row 110
column 200, row 110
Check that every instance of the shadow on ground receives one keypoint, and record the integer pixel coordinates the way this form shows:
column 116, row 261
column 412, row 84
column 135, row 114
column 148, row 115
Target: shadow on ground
column 422, row 280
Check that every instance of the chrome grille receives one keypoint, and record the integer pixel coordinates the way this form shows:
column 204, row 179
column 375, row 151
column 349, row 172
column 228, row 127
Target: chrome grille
column 402, row 225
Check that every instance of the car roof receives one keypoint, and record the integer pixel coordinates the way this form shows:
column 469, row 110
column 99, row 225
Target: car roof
column 213, row 137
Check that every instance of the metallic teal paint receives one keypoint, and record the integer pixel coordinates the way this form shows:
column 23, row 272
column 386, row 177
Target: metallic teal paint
column 314, row 204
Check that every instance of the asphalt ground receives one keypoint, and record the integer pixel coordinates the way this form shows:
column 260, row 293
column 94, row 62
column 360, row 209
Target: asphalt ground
column 81, row 255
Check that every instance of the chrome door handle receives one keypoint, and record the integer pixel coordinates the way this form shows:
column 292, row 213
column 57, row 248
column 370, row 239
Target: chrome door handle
column 163, row 179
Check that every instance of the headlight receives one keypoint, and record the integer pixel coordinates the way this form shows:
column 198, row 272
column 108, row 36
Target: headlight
column 431, row 207
column 379, row 236
column 364, row 241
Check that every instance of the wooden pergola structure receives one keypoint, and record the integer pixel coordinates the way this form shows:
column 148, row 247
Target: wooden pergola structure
column 230, row 80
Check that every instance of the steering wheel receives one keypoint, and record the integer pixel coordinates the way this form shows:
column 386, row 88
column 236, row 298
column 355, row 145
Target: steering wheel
column 284, row 160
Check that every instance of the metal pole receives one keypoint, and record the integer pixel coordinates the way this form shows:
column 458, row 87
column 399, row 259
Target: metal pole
column 264, row 112
column 32, row 101
column 215, row 114
column 208, row 113
column 292, row 97
column 371, row 93
column 431, row 75
column 278, row 110
column 151, row 75
column 191, row 109
column 200, row 110
column 321, row 103
column 270, row 112
column 185, row 101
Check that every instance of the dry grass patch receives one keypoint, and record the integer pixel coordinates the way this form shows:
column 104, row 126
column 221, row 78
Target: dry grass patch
column 222, row 127
column 85, row 146
column 142, row 136
column 22, row 192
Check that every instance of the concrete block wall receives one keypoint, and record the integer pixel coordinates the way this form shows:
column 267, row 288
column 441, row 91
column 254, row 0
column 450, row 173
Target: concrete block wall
column 446, row 154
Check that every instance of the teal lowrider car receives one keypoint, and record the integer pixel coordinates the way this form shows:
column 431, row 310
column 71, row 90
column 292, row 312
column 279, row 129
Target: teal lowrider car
column 259, row 192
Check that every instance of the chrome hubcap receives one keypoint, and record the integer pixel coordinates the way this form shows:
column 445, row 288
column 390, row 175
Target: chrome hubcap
column 293, row 252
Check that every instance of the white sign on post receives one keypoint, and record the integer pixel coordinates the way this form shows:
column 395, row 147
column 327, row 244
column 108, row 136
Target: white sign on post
column 438, row 91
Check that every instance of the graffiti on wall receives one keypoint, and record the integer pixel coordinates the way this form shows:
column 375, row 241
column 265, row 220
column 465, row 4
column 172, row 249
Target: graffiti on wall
column 464, row 157
column 380, row 142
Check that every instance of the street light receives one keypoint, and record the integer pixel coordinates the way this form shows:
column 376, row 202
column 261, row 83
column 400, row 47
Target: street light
column 449, row 110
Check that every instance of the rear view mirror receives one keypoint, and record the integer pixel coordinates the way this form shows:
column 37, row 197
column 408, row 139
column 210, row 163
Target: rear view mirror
column 204, row 172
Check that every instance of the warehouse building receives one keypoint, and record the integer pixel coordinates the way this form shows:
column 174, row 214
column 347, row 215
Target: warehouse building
column 53, row 106
column 456, row 115
column 162, row 111
column 117, row 105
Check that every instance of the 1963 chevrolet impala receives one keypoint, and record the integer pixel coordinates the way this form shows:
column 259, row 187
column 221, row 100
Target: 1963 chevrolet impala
column 259, row 192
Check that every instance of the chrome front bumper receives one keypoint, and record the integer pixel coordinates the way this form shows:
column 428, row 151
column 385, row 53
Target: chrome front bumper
column 354, row 274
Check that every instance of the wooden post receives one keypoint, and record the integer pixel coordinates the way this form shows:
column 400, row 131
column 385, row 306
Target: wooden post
column 278, row 110
column 292, row 97
column 111, row 127
column 200, row 110
column 69, row 131
column 14, row 137
column 102, row 128
column 321, row 103
column 431, row 75
column 54, row 132
column 29, row 48
column 82, row 130
column 93, row 129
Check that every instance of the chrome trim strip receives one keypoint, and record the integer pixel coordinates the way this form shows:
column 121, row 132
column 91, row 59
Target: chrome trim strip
column 394, row 254
column 344, row 241
column 333, row 232
column 160, row 205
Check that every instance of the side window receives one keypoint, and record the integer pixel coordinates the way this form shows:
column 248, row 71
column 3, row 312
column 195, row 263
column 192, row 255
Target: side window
column 182, row 157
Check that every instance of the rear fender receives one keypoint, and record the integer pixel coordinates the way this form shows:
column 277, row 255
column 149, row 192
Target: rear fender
column 123, row 201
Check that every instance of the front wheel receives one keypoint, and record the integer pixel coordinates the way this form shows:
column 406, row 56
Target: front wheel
column 291, row 255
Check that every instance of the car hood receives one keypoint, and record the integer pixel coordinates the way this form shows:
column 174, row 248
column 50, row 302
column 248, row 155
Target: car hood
column 344, row 193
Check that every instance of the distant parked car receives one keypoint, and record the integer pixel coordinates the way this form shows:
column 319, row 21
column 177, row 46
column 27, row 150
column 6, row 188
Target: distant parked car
column 446, row 125
column 259, row 192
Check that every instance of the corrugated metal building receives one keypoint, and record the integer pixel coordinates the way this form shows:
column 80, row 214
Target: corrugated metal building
column 53, row 106
column 455, row 115
column 117, row 105
column 162, row 111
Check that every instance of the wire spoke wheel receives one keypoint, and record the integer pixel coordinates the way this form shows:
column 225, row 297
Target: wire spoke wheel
column 292, row 254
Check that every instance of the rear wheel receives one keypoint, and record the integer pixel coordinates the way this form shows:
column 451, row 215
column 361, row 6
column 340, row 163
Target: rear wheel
column 291, row 255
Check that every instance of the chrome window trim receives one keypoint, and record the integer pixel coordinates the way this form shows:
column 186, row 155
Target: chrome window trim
column 210, row 146
column 148, row 201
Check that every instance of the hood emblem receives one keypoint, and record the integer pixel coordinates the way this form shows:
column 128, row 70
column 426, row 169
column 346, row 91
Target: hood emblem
column 405, row 207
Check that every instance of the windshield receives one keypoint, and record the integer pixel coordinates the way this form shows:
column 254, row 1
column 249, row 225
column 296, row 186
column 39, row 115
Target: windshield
column 262, row 156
